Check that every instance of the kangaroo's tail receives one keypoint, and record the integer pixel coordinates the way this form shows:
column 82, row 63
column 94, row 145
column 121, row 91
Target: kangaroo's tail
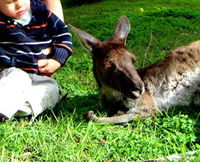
column 121, row 119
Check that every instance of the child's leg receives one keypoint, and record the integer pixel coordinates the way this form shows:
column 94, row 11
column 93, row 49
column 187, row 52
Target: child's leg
column 44, row 94
column 14, row 84
column 23, row 94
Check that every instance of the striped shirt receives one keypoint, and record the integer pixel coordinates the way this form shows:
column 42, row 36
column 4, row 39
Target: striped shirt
column 21, row 46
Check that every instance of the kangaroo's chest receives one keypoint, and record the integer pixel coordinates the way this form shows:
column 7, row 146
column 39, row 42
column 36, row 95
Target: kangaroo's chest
column 115, row 100
column 179, row 90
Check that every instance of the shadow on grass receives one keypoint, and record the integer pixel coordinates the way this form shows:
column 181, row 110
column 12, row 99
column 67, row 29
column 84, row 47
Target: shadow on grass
column 77, row 106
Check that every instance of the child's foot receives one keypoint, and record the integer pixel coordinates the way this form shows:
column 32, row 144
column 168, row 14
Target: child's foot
column 3, row 118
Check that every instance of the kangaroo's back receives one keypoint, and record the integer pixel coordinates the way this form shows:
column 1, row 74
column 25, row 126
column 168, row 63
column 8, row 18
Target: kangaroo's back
column 174, row 80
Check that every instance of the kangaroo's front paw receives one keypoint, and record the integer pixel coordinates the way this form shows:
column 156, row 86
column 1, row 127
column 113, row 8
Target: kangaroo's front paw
column 3, row 118
column 89, row 116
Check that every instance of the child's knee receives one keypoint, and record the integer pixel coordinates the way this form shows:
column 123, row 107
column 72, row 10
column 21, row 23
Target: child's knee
column 15, row 77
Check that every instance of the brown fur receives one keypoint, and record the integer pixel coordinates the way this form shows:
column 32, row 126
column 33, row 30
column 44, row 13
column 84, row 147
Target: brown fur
column 180, row 60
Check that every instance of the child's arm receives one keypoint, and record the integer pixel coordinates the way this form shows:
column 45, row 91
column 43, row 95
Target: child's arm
column 61, row 47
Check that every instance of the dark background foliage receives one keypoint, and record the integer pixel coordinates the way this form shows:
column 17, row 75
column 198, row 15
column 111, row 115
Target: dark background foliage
column 70, row 3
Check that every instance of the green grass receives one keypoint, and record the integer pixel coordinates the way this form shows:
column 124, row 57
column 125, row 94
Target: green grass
column 63, row 135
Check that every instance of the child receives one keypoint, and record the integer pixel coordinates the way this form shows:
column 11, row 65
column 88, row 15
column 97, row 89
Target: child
column 34, row 43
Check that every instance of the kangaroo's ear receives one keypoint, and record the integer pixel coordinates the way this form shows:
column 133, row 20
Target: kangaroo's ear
column 87, row 40
column 122, row 29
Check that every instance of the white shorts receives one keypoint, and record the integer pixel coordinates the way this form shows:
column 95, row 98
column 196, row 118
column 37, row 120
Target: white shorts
column 23, row 94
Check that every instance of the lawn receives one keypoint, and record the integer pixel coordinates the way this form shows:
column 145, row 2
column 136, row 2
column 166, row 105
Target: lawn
column 63, row 135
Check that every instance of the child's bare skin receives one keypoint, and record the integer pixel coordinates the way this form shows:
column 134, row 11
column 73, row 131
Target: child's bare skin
column 48, row 67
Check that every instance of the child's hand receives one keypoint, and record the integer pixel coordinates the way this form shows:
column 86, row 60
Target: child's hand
column 48, row 67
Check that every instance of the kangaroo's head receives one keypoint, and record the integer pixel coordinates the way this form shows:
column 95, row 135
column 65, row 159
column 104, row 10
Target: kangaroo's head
column 113, row 63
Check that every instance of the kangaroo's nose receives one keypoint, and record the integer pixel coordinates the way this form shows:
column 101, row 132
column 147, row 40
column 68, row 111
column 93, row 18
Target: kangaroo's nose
column 139, row 86
column 138, row 90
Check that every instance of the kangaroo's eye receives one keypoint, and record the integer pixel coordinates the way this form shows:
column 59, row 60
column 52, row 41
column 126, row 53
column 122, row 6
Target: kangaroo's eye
column 9, row 1
column 133, row 58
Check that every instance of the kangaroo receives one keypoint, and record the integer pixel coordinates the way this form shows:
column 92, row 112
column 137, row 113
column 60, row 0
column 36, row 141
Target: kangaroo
column 127, row 92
